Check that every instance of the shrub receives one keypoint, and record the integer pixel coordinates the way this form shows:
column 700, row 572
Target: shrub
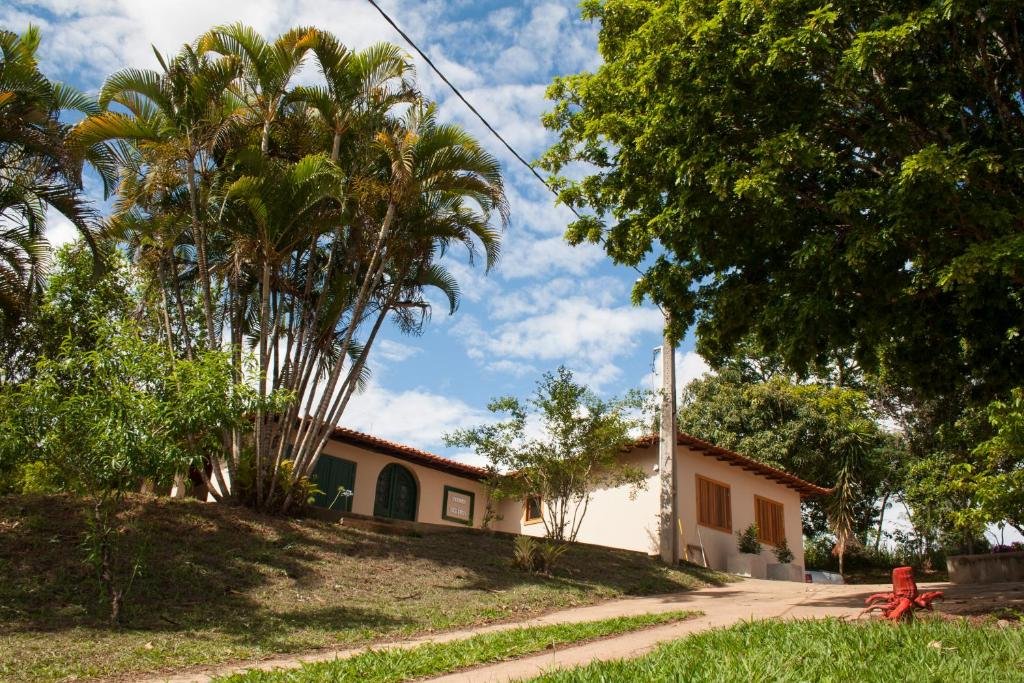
column 524, row 553
column 549, row 554
column 782, row 552
column 748, row 542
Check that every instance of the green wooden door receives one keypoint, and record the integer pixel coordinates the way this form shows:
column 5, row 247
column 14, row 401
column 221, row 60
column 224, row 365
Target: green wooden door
column 396, row 494
column 329, row 474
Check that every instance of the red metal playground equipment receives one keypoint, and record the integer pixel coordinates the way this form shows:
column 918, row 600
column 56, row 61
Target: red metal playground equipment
column 904, row 599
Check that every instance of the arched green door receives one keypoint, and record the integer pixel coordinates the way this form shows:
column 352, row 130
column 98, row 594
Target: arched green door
column 396, row 494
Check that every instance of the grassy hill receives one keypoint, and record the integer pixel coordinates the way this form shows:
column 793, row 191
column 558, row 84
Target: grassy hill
column 218, row 583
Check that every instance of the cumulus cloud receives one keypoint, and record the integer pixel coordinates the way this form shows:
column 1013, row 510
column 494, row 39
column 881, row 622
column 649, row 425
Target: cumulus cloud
column 579, row 331
column 391, row 351
column 417, row 417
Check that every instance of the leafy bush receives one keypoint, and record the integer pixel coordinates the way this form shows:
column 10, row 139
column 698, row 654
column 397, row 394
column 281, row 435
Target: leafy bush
column 748, row 542
column 782, row 552
column 531, row 556
column 524, row 553
column 549, row 554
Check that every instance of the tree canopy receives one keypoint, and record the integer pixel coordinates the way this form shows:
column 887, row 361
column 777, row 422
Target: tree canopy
column 839, row 177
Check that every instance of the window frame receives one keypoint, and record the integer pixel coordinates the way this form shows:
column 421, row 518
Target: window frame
column 782, row 515
column 444, row 505
column 527, row 519
column 728, row 489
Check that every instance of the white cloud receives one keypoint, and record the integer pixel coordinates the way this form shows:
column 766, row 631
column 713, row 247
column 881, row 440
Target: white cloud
column 417, row 417
column 59, row 230
column 551, row 256
column 579, row 331
column 394, row 352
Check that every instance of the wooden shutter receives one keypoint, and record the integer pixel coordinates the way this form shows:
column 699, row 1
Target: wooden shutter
column 714, row 505
column 768, row 515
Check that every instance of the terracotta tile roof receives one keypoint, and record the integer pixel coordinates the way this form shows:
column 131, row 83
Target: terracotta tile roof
column 407, row 453
column 805, row 488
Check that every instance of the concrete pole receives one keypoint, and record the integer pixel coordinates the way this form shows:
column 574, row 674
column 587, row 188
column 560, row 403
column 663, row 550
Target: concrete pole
column 669, row 537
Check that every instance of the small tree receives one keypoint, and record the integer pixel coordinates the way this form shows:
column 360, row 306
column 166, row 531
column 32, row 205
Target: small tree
column 579, row 448
column 747, row 540
column 107, row 418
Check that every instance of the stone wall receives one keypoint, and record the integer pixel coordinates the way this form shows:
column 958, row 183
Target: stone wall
column 988, row 568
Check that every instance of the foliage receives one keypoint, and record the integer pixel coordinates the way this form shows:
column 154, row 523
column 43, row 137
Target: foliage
column 825, row 177
column 747, row 540
column 579, row 448
column 80, row 287
column 822, row 650
column 524, row 553
column 40, row 169
column 782, row 552
column 290, row 220
column 549, row 554
column 998, row 479
column 391, row 665
column 102, row 420
column 800, row 427
column 839, row 508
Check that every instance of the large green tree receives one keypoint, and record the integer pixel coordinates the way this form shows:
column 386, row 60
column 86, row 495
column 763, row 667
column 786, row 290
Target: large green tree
column 822, row 176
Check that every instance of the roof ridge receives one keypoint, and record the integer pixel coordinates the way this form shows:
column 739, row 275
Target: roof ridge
column 739, row 460
column 426, row 458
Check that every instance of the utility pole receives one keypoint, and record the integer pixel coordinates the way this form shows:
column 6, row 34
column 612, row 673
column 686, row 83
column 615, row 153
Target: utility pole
column 669, row 538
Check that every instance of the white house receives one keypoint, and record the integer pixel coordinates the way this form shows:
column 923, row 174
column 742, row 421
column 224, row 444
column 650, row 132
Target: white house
column 719, row 493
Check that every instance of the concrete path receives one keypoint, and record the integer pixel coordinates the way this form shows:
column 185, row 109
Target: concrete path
column 722, row 606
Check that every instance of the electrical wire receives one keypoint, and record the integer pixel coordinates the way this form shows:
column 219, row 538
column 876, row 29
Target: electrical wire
column 483, row 120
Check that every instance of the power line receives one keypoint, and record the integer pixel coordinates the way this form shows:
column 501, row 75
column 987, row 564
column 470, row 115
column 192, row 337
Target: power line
column 473, row 109
column 487, row 123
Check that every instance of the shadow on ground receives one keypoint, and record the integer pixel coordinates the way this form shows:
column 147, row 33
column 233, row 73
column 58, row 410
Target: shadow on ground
column 256, row 578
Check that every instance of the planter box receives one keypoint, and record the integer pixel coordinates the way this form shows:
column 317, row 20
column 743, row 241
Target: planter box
column 786, row 572
column 748, row 564
column 987, row 568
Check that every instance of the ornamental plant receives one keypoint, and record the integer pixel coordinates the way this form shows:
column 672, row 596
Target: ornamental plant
column 782, row 552
column 748, row 542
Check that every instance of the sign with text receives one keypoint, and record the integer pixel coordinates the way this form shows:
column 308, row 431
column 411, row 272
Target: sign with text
column 458, row 505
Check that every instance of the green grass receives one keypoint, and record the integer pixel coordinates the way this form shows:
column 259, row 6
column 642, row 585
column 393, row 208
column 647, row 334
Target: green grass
column 221, row 584
column 825, row 651
column 433, row 659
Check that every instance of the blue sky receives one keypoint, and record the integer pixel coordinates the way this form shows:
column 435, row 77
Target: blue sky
column 546, row 303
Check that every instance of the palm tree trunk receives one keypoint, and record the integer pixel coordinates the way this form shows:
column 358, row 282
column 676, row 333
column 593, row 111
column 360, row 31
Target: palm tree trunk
column 201, row 260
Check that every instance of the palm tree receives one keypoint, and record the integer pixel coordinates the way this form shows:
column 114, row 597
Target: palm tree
column 308, row 216
column 40, row 168
column 167, row 140
column 434, row 186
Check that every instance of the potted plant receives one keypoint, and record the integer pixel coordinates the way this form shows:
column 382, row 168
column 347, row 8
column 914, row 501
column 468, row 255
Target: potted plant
column 749, row 561
column 785, row 570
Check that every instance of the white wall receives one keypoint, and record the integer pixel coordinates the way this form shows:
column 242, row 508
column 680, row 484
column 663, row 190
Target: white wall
column 614, row 518
column 743, row 486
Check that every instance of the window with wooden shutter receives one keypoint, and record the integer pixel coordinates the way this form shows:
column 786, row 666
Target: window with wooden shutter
column 714, row 505
column 770, row 522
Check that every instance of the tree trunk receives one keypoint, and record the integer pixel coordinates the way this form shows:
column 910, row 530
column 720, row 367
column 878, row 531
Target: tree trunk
column 881, row 519
column 201, row 261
